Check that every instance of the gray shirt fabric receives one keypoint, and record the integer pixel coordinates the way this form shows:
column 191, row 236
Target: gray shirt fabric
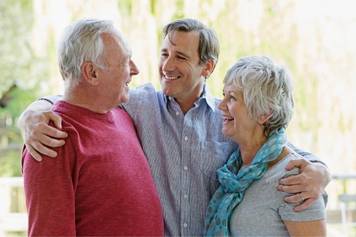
column 262, row 211
column 184, row 151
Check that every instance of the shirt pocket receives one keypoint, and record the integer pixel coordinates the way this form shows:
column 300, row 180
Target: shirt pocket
column 211, row 156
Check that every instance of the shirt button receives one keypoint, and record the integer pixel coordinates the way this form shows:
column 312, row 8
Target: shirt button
column 185, row 196
column 177, row 113
column 185, row 225
column 185, row 168
column 186, row 138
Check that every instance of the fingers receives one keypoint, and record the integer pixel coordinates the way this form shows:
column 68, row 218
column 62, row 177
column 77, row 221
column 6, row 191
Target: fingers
column 34, row 153
column 304, row 205
column 43, row 149
column 45, row 129
column 293, row 180
column 57, row 120
column 50, row 142
column 292, row 188
column 299, row 163
column 300, row 199
column 296, row 198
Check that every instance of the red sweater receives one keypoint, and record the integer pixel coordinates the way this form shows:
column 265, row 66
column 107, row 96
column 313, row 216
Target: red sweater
column 100, row 183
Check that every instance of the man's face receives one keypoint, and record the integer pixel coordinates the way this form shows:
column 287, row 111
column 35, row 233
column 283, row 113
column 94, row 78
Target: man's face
column 181, row 75
column 117, row 71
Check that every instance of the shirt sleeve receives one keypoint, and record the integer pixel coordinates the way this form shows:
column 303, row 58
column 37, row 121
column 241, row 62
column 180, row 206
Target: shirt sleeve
column 139, row 100
column 315, row 212
column 306, row 155
column 49, row 191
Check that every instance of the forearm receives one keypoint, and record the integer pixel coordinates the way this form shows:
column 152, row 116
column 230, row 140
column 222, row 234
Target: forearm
column 307, row 155
column 306, row 228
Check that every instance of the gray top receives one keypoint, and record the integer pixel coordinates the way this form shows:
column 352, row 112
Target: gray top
column 262, row 211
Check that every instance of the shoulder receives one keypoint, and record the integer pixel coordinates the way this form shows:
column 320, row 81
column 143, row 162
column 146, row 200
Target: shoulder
column 146, row 90
column 315, row 212
column 121, row 117
column 278, row 171
column 143, row 99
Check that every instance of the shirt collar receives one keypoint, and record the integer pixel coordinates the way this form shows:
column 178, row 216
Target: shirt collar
column 210, row 101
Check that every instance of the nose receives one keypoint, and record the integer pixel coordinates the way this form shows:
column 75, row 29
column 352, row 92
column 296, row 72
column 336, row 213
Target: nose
column 133, row 69
column 222, row 105
column 167, row 64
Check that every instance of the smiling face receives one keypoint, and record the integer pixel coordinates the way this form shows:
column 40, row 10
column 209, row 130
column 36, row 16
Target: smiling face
column 181, row 74
column 117, row 71
column 237, row 124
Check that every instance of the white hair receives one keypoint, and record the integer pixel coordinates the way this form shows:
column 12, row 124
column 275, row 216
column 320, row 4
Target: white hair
column 266, row 88
column 82, row 42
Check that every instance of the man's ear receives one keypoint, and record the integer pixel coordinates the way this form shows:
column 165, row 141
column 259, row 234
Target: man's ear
column 208, row 69
column 89, row 72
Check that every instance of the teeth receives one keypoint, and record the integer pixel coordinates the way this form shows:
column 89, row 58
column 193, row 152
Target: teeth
column 228, row 119
column 171, row 78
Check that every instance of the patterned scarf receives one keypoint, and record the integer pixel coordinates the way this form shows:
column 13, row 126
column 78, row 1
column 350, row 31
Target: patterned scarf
column 234, row 181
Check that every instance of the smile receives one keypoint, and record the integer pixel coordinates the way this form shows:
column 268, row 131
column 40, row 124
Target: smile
column 171, row 78
column 227, row 119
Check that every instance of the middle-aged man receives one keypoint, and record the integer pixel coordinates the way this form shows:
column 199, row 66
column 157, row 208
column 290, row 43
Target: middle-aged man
column 101, row 184
column 180, row 131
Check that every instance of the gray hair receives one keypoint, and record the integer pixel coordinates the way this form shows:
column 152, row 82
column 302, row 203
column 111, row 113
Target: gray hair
column 82, row 42
column 266, row 88
column 208, row 42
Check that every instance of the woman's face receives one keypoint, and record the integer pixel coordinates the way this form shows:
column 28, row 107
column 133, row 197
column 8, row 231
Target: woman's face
column 237, row 124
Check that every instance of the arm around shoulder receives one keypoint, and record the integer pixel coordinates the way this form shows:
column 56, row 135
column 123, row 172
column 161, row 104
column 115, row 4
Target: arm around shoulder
column 38, row 105
column 37, row 134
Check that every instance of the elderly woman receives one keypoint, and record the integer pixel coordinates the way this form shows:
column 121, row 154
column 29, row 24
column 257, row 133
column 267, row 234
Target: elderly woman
column 257, row 107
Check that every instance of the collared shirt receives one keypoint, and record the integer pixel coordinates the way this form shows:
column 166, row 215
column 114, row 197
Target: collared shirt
column 184, row 151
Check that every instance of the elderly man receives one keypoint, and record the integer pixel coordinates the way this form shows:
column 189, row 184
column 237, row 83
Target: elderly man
column 101, row 183
column 180, row 131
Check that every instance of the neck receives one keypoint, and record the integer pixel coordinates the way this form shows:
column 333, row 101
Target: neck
column 250, row 146
column 85, row 98
column 186, row 103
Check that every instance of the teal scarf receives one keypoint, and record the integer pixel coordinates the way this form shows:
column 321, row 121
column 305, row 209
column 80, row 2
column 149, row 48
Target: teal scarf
column 234, row 181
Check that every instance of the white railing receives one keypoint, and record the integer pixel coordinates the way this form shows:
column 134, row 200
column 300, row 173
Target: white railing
column 12, row 220
column 346, row 199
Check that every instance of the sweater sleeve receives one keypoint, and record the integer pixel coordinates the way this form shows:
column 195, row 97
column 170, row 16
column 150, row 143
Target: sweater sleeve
column 49, row 191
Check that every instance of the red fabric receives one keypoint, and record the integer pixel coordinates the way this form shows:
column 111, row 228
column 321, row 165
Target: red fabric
column 100, row 183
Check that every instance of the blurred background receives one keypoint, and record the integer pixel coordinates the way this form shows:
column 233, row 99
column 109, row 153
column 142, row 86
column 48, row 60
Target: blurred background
column 314, row 39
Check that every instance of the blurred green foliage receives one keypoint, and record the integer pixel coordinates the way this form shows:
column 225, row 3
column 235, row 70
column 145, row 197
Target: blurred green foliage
column 19, row 68
column 15, row 50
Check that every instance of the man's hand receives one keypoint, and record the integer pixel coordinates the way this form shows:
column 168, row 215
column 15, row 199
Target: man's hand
column 39, row 136
column 307, row 185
